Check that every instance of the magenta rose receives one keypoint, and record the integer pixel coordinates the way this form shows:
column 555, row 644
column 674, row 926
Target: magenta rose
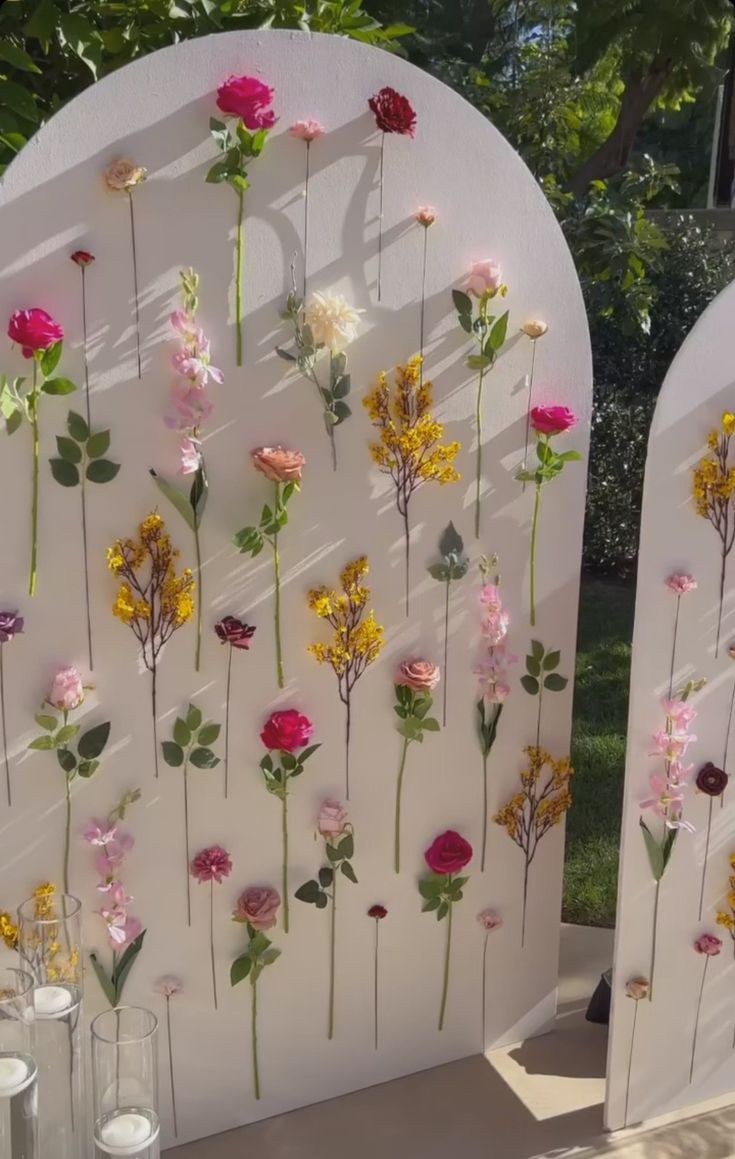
column 332, row 820
column 552, row 420
column 258, row 906
column 67, row 690
column 249, row 99
column 33, row 330
column 287, row 730
column 448, row 853
column 421, row 675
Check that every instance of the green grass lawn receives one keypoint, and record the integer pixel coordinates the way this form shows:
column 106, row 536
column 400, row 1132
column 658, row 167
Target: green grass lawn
column 598, row 750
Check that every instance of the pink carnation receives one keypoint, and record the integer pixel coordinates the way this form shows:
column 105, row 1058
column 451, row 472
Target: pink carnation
column 680, row 584
column 307, row 131
column 212, row 864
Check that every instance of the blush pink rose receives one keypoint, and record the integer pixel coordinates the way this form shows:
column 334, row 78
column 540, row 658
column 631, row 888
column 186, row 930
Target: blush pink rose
column 67, row 690
column 489, row 920
column 421, row 675
column 307, row 131
column 258, row 905
column 249, row 99
column 278, row 464
column 332, row 819
column 485, row 277
column 552, row 420
column 33, row 330
column 448, row 853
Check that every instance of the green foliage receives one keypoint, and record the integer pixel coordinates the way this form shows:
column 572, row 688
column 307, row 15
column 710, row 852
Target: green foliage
column 277, row 776
column 190, row 507
column 113, row 982
column 454, row 562
column 320, row 891
column 260, row 952
column 440, row 891
column 251, row 540
column 541, row 671
column 412, row 708
column 58, row 735
column 81, row 453
column 191, row 741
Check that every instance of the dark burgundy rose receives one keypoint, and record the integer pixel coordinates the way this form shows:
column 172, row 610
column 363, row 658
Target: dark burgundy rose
column 10, row 625
column 711, row 780
column 393, row 113
column 378, row 912
column 236, row 632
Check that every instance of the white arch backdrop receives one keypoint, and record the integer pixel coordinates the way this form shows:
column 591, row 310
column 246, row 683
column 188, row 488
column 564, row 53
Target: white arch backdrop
column 53, row 201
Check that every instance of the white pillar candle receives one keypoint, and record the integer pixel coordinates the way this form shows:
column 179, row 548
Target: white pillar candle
column 13, row 1075
column 125, row 1134
column 51, row 1001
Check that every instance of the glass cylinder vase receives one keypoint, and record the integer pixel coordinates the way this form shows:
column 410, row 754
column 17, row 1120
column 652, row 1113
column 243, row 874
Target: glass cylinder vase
column 18, row 1068
column 125, row 1083
column 50, row 948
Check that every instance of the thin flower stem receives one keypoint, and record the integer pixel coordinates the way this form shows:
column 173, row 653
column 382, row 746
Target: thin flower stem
column 154, row 711
column 447, row 953
column 284, row 877
column 422, row 329
column 238, row 277
column 723, row 574
column 33, row 415
column 446, row 651
column 380, row 217
column 277, row 577
column 254, row 1035
column 727, row 739
column 186, row 838
column 484, row 811
column 696, row 1020
column 227, row 721
column 211, row 940
column 135, row 280
column 348, row 729
column 478, row 464
column 332, row 956
column 528, row 408
column 525, row 902
column 84, row 349
column 540, row 709
column 86, row 567
column 328, row 415
column 5, row 730
column 399, row 790
column 407, row 537
column 484, row 990
column 199, row 594
column 67, row 828
column 654, row 940
column 534, row 530
column 706, row 855
column 673, row 646
column 171, row 1065
column 306, row 213
column 375, row 985
column 630, row 1062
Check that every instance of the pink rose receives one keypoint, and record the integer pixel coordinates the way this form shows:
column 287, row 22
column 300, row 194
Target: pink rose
column 307, row 131
column 278, row 464
column 258, row 906
column 286, row 731
column 425, row 215
column 552, row 420
column 681, row 584
column 67, row 690
column 332, row 820
column 248, row 98
column 484, row 278
column 33, row 330
column 448, row 853
column 489, row 920
column 708, row 944
column 421, row 675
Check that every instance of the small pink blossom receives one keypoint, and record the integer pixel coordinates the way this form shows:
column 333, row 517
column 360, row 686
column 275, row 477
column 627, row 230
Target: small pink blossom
column 212, row 864
column 168, row 986
column 494, row 627
column 492, row 671
column 670, row 745
column 67, row 691
column 680, row 584
column 425, row 215
column 489, row 919
column 307, row 130
column 99, row 832
column 190, row 455
column 681, row 713
column 708, row 944
column 191, row 406
column 666, row 802
column 122, row 929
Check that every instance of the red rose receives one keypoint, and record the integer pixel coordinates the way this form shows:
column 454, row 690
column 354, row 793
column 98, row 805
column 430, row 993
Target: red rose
column 552, row 420
column 711, row 780
column 34, row 330
column 248, row 98
column 378, row 912
column 393, row 113
column 82, row 257
column 448, row 853
column 236, row 632
column 287, row 731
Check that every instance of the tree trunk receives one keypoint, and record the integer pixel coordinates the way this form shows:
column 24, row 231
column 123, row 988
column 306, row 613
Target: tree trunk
column 612, row 156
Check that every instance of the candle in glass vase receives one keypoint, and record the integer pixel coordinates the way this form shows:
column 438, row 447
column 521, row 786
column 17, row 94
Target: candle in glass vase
column 126, row 1133
column 51, row 1001
column 14, row 1074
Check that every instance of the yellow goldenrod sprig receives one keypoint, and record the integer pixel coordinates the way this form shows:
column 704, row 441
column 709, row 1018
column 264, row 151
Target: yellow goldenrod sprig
column 713, row 491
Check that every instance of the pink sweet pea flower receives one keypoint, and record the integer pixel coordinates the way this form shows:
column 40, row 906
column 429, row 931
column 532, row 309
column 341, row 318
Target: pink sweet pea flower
column 191, row 406
column 190, row 455
column 681, row 713
column 670, row 746
column 99, row 832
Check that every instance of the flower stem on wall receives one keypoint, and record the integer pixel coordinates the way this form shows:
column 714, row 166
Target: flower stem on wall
column 135, row 280
column 171, row 1065
column 534, row 533
column 399, row 789
column 254, row 1034
column 8, row 788
column 227, row 720
column 240, row 246
column 211, row 940
column 332, row 956
column 33, row 414
column 447, row 962
column 277, row 581
column 284, row 873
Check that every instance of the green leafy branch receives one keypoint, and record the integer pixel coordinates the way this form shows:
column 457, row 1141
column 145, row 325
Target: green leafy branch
column 440, row 891
column 18, row 401
column 454, row 565
column 316, row 892
column 191, row 741
column 291, row 765
column 81, row 454
column 550, row 463
column 251, row 540
column 541, row 675
column 412, row 709
column 260, row 953
column 489, row 331
column 112, row 983
column 238, row 146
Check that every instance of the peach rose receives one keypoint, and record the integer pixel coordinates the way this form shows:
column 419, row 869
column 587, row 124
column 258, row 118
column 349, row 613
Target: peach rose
column 123, row 175
column 421, row 675
column 534, row 329
column 278, row 464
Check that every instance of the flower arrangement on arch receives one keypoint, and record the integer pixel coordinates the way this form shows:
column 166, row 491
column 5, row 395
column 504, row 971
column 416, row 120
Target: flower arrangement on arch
column 454, row 566
column 414, row 684
column 409, row 450
column 713, row 492
column 152, row 599
column 547, row 422
column 41, row 341
column 357, row 638
column 339, row 846
column 394, row 114
column 442, row 888
column 257, row 910
column 211, row 865
column 326, row 323
column 191, row 407
column 66, row 694
column 236, row 635
column 285, row 735
column 246, row 103
column 123, row 176
column 539, row 805
column 124, row 931
column 11, row 625
column 190, row 746
column 283, row 469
